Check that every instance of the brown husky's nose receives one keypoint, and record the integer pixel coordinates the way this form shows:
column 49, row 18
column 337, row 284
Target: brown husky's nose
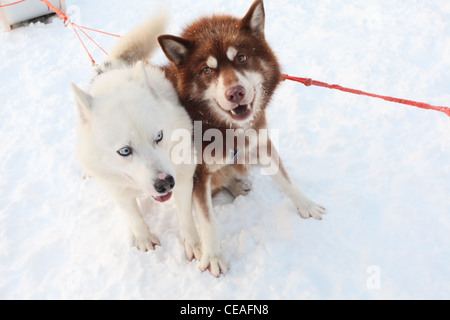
column 235, row 94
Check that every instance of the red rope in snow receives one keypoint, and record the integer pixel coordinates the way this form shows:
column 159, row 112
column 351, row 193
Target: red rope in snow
column 10, row 4
column 109, row 34
column 64, row 17
column 306, row 81
column 90, row 38
column 60, row 14
column 310, row 82
column 84, row 46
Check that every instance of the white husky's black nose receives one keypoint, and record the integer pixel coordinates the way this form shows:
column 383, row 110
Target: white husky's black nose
column 164, row 183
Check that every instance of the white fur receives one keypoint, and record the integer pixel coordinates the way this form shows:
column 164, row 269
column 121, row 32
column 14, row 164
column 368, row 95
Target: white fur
column 231, row 53
column 128, row 107
column 212, row 62
column 140, row 41
column 250, row 80
column 212, row 256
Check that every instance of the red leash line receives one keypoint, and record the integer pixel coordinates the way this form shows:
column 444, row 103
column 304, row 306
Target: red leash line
column 107, row 33
column 61, row 14
column 79, row 28
column 306, row 81
column 64, row 17
column 84, row 46
column 310, row 82
column 7, row 5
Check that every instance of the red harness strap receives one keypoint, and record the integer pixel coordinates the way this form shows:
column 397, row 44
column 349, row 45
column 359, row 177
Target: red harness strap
column 64, row 17
column 10, row 4
column 309, row 82
column 306, row 81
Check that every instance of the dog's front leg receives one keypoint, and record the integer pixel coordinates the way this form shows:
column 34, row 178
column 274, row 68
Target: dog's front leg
column 212, row 257
column 273, row 165
column 188, row 230
column 143, row 239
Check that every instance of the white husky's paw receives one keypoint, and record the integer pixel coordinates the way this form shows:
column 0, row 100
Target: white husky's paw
column 146, row 242
column 240, row 187
column 193, row 251
column 309, row 209
column 215, row 264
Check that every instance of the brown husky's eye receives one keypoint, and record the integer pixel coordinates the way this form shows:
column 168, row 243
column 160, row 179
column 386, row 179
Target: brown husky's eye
column 241, row 58
column 207, row 71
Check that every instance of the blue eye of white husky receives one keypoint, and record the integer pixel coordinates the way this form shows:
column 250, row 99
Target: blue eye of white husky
column 159, row 137
column 125, row 151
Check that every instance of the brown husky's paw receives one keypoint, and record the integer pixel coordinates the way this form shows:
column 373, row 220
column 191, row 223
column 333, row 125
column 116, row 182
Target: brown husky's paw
column 240, row 187
column 311, row 210
column 216, row 265
column 192, row 251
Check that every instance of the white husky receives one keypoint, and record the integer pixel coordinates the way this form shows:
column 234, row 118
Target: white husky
column 125, row 124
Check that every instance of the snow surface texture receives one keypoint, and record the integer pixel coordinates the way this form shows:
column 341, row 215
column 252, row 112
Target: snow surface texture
column 381, row 169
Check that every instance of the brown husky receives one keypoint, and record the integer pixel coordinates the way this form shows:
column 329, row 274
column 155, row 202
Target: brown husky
column 225, row 74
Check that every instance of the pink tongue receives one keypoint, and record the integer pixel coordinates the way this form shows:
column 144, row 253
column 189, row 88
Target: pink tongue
column 241, row 109
column 164, row 198
column 241, row 112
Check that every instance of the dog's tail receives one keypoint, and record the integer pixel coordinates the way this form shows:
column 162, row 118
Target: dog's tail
column 140, row 42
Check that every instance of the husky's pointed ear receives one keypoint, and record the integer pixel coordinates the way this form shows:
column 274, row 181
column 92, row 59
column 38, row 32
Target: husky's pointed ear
column 176, row 49
column 84, row 102
column 255, row 18
column 140, row 77
column 139, row 74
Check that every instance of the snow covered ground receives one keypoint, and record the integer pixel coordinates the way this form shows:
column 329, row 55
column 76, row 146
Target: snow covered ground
column 381, row 169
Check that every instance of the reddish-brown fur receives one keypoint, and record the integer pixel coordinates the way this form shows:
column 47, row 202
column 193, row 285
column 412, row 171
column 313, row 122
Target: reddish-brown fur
column 225, row 74
column 212, row 36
